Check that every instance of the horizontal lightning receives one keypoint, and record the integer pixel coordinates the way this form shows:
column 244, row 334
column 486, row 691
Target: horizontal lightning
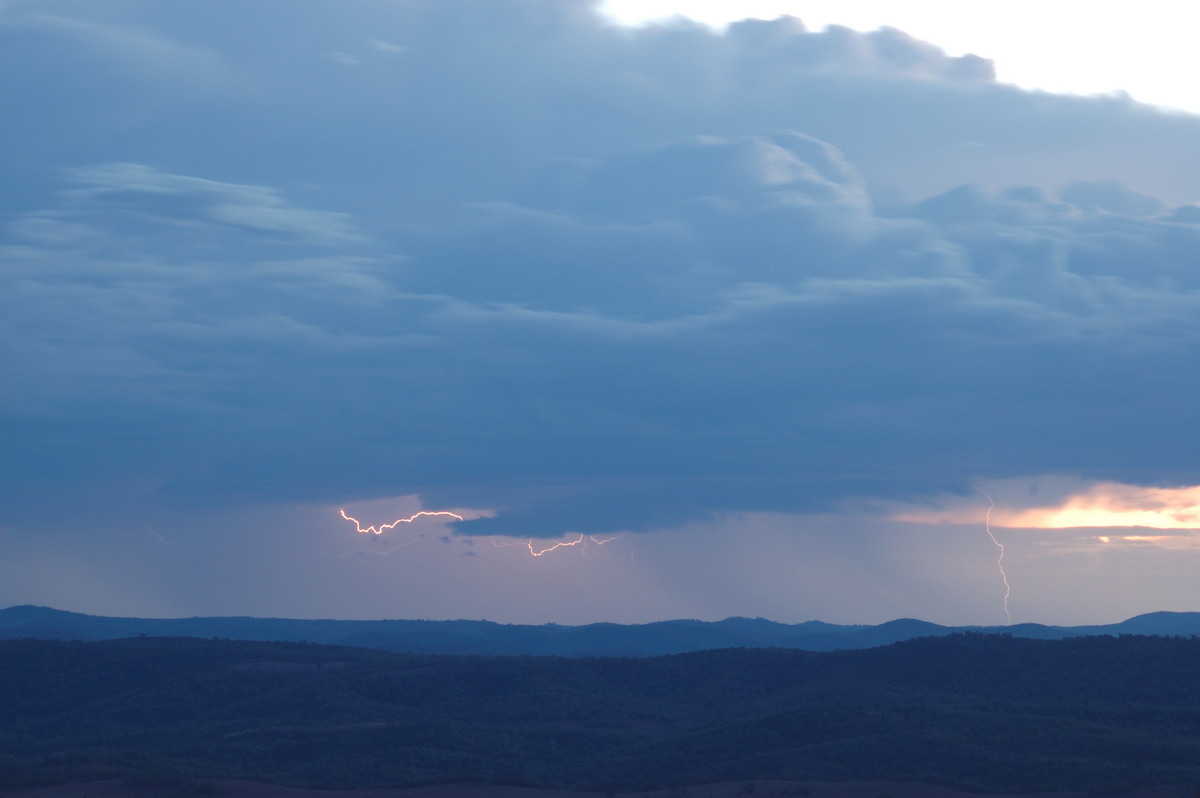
column 381, row 528
column 536, row 551
column 584, row 539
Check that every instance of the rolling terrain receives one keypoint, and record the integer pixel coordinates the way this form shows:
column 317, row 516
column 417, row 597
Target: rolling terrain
column 972, row 712
column 600, row 639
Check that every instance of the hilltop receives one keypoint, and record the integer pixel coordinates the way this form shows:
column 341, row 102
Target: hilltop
column 600, row 639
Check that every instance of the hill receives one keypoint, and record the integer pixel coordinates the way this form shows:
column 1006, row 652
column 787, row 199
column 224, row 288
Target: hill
column 601, row 639
column 973, row 711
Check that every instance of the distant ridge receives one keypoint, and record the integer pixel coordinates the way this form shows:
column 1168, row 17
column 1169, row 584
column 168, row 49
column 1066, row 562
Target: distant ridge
column 599, row 639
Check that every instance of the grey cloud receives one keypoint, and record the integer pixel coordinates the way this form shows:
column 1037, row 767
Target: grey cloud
column 132, row 52
column 136, row 286
column 786, row 42
column 1111, row 196
column 489, row 91
column 776, row 385
column 138, row 190
column 748, row 170
column 538, row 263
column 1186, row 214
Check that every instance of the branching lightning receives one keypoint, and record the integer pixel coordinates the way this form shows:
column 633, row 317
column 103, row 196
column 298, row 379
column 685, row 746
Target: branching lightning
column 381, row 528
column 583, row 540
column 987, row 525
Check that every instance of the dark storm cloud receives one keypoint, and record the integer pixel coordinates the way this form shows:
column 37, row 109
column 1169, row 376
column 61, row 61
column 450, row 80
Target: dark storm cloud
column 504, row 255
column 397, row 109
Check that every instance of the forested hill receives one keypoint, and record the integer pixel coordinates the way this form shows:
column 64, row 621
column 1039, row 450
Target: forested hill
column 981, row 712
column 601, row 639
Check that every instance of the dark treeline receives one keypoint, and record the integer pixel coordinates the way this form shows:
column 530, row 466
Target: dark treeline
column 983, row 712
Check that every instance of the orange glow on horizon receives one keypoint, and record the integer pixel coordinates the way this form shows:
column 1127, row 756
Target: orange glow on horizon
column 1104, row 504
column 1112, row 504
column 1134, row 538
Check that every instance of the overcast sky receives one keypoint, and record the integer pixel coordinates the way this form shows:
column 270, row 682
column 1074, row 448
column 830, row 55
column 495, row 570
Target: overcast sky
column 664, row 321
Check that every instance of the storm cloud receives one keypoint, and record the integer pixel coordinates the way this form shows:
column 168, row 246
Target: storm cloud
column 507, row 255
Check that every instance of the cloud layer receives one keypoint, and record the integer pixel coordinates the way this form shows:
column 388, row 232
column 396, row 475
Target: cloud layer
column 511, row 257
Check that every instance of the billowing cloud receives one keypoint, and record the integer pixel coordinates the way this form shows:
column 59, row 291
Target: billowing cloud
column 578, row 278
column 757, row 335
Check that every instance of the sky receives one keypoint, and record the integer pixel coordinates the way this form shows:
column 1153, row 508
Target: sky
column 517, row 310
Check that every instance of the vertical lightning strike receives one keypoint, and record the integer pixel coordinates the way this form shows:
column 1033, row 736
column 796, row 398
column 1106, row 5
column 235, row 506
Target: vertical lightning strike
column 987, row 526
column 379, row 530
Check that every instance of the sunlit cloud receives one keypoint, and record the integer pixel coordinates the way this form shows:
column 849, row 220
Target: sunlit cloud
column 1114, row 504
column 1103, row 504
column 1134, row 538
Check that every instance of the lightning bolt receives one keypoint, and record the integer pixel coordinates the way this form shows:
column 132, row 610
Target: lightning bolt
column 562, row 544
column 987, row 526
column 582, row 539
column 379, row 530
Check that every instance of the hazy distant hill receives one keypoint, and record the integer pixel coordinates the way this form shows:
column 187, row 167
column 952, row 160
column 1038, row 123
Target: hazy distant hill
column 983, row 712
column 601, row 639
